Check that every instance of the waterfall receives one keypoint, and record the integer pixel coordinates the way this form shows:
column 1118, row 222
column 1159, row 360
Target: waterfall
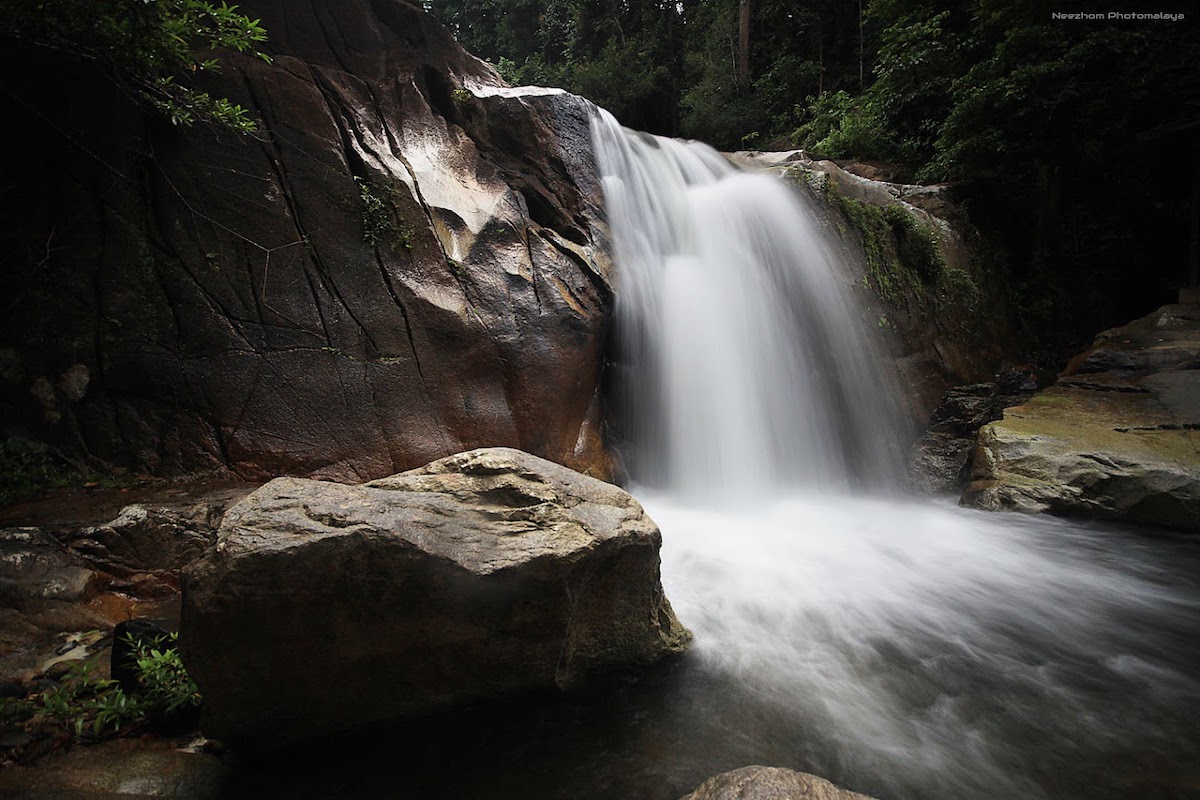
column 908, row 649
column 742, row 366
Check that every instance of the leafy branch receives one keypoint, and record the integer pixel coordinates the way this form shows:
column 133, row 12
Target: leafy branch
column 150, row 48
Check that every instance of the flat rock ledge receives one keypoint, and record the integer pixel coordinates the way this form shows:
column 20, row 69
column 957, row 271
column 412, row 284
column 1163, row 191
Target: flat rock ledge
column 1116, row 437
column 770, row 783
column 326, row 608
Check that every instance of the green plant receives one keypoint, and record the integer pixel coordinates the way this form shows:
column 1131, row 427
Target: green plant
column 150, row 48
column 166, row 685
column 82, row 706
column 85, row 707
column 29, row 469
column 379, row 217
column 375, row 213
column 837, row 125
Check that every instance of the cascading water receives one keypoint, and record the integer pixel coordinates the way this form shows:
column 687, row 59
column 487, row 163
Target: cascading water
column 742, row 366
column 912, row 650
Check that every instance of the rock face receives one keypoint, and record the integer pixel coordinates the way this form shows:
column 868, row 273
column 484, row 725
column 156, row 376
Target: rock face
column 407, row 262
column 328, row 607
column 770, row 783
column 1117, row 437
column 940, row 461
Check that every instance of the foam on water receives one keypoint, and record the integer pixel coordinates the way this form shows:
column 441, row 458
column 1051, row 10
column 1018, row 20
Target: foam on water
column 937, row 652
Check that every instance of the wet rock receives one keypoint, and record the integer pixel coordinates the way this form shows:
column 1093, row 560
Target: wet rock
column 409, row 261
column 1117, row 437
column 326, row 607
column 940, row 461
column 146, row 544
column 34, row 567
column 135, row 768
column 770, row 783
column 942, row 325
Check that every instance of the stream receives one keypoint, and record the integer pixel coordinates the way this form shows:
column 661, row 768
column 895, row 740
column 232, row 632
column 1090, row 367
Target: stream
column 910, row 651
column 907, row 649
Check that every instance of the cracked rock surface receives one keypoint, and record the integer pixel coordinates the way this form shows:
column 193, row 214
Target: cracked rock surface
column 407, row 262
column 325, row 608
column 1117, row 437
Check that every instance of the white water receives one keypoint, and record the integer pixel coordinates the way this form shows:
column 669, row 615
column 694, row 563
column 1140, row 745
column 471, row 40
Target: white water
column 747, row 371
column 920, row 649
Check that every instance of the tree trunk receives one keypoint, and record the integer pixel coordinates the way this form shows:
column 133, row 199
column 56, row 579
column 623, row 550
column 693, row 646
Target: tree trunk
column 860, row 45
column 744, row 44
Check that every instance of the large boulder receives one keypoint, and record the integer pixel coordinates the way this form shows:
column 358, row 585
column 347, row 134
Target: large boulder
column 1117, row 437
column 407, row 262
column 326, row 607
column 770, row 783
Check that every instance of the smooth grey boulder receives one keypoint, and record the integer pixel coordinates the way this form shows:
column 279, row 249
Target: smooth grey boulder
column 770, row 783
column 1117, row 437
column 325, row 608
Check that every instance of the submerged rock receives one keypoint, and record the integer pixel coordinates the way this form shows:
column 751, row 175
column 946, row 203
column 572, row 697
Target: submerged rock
column 770, row 783
column 325, row 608
column 1117, row 437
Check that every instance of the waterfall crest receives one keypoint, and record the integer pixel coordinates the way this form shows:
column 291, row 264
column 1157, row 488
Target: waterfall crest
column 742, row 366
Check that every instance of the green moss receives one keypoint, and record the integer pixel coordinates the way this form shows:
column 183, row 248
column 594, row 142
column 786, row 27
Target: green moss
column 901, row 252
column 916, row 245
column 884, row 270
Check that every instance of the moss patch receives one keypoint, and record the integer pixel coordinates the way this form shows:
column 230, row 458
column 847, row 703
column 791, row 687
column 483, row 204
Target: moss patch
column 901, row 252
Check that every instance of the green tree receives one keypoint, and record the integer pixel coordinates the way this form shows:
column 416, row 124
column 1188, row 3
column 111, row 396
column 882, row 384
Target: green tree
column 151, row 48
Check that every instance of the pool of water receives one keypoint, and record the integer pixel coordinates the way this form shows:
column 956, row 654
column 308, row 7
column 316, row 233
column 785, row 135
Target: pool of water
column 901, row 649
